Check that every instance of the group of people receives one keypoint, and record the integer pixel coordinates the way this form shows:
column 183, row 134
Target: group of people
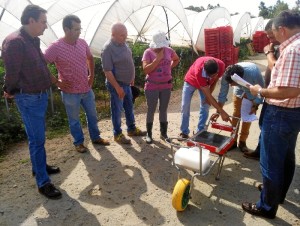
column 27, row 80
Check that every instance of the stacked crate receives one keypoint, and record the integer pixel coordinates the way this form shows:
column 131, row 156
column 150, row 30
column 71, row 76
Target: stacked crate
column 226, row 44
column 259, row 41
column 212, row 42
column 235, row 54
column 219, row 44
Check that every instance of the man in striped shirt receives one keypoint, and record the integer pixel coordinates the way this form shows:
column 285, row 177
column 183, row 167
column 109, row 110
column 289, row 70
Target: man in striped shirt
column 281, row 123
column 75, row 66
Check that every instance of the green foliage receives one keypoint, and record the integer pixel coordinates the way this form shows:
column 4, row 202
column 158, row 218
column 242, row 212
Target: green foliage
column 201, row 8
column 244, row 51
column 272, row 11
column 11, row 128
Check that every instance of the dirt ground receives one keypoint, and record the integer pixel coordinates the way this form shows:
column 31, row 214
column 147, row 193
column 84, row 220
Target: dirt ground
column 132, row 185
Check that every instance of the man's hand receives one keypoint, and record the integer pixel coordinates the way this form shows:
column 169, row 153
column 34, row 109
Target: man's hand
column 120, row 92
column 254, row 109
column 6, row 95
column 225, row 117
column 90, row 80
column 254, row 89
column 63, row 84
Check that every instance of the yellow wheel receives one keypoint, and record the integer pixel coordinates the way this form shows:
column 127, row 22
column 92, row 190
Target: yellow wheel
column 181, row 194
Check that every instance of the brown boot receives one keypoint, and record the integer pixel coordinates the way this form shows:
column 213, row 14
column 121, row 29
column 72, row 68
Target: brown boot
column 252, row 155
column 243, row 146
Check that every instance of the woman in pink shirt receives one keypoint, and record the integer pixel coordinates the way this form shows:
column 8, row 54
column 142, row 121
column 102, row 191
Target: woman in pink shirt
column 158, row 61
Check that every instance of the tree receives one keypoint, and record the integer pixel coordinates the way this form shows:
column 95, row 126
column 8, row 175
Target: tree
column 197, row 9
column 263, row 10
column 201, row 8
column 272, row 11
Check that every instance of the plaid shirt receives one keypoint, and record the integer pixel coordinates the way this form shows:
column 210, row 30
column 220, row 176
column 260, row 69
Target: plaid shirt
column 286, row 72
column 25, row 66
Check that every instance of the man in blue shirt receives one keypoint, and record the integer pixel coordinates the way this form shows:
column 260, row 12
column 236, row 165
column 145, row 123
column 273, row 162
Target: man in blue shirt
column 250, row 73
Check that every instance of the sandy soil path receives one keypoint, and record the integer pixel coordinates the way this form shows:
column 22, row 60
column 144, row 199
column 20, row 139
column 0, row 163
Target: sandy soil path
column 132, row 185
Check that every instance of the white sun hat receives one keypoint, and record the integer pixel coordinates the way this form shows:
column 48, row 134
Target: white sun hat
column 159, row 40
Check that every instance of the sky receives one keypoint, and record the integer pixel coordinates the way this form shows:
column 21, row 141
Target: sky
column 234, row 6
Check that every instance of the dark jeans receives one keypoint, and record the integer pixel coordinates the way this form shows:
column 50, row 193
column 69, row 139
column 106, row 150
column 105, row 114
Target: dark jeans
column 279, row 132
column 262, row 112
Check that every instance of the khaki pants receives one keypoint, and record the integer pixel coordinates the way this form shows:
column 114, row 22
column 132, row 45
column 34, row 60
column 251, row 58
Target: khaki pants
column 237, row 103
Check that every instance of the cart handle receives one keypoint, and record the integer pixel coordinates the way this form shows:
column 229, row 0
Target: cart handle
column 215, row 125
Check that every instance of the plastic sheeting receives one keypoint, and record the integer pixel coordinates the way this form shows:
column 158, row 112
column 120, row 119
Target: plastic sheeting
column 241, row 26
column 207, row 19
column 142, row 18
column 257, row 24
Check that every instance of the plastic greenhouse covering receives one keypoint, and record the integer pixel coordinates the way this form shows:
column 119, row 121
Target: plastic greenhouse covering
column 241, row 25
column 142, row 18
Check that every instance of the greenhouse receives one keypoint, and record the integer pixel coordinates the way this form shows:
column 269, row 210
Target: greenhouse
column 142, row 18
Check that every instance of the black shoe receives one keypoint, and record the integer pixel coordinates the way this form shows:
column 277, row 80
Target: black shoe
column 182, row 137
column 252, row 155
column 243, row 147
column 50, row 170
column 260, row 187
column 252, row 209
column 50, row 191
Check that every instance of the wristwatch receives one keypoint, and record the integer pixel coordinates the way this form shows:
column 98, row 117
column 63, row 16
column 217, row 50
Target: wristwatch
column 259, row 93
column 269, row 51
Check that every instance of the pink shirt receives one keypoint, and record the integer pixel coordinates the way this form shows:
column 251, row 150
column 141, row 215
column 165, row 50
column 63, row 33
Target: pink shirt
column 71, row 63
column 158, row 79
column 196, row 75
column 286, row 72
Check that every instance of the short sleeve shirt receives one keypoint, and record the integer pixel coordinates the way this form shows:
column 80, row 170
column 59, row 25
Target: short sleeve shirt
column 70, row 61
column 117, row 58
column 161, row 76
column 196, row 75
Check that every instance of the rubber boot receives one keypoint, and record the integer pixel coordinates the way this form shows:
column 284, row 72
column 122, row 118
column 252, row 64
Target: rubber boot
column 163, row 130
column 149, row 139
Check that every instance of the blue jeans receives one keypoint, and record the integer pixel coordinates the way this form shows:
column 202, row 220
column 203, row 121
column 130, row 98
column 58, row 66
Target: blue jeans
column 32, row 108
column 280, row 128
column 187, row 94
column 117, row 105
column 72, row 102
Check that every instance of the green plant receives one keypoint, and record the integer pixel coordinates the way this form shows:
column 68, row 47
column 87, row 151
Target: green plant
column 244, row 51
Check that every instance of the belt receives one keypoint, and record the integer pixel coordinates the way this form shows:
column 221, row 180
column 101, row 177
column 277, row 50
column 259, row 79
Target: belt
column 283, row 108
column 159, row 83
column 34, row 92
column 123, row 83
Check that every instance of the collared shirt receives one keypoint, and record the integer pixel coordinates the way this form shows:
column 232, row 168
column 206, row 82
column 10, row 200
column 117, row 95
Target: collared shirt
column 70, row 61
column 118, row 59
column 196, row 75
column 25, row 67
column 252, row 75
column 286, row 72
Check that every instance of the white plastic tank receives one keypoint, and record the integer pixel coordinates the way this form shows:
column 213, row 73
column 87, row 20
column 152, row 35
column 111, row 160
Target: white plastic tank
column 190, row 158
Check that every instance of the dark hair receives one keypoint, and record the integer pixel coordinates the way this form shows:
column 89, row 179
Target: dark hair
column 31, row 11
column 268, row 26
column 67, row 21
column 287, row 18
column 211, row 67
column 233, row 69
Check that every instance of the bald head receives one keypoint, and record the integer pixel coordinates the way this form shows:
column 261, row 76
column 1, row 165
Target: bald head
column 119, row 32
